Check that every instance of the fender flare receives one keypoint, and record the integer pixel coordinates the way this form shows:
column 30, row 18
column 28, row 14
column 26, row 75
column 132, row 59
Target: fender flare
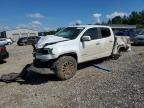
column 73, row 54
column 117, row 48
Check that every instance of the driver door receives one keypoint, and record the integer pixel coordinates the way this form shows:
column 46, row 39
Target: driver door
column 91, row 49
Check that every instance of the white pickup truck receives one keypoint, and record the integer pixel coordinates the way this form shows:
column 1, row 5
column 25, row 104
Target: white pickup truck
column 77, row 44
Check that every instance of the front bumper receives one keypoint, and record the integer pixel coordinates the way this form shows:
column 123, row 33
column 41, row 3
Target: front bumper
column 41, row 67
column 4, row 55
column 38, row 70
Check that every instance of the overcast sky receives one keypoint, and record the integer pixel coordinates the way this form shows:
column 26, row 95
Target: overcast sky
column 49, row 14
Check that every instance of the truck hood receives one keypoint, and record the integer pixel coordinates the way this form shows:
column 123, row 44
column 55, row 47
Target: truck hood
column 49, row 40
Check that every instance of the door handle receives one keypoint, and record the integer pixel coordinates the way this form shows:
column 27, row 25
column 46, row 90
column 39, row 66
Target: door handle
column 97, row 43
column 110, row 41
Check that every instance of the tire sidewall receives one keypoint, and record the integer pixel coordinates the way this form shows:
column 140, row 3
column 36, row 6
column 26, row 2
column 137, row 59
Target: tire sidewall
column 58, row 67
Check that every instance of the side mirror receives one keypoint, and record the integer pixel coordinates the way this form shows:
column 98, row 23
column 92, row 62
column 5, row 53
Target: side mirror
column 86, row 38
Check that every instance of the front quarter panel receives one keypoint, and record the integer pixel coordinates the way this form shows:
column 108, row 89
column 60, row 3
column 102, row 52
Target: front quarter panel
column 65, row 47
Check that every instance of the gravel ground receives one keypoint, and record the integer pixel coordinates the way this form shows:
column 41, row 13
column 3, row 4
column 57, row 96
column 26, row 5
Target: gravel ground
column 123, row 87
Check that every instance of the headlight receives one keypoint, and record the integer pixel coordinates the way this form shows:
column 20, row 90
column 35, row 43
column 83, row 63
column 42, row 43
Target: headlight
column 46, row 51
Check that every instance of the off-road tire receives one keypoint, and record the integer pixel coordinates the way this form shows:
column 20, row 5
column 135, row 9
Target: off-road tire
column 65, row 67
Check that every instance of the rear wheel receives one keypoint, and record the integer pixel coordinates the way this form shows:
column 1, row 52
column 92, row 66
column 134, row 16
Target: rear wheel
column 117, row 56
column 65, row 67
column 20, row 44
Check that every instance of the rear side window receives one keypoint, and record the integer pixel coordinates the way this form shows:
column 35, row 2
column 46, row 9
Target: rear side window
column 105, row 32
column 92, row 32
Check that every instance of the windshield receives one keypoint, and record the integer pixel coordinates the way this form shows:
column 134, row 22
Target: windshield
column 140, row 32
column 70, row 32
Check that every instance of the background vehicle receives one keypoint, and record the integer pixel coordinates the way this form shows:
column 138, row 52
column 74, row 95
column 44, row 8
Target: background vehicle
column 9, row 41
column 3, row 53
column 5, row 41
column 28, row 40
column 130, row 33
column 77, row 44
column 138, row 38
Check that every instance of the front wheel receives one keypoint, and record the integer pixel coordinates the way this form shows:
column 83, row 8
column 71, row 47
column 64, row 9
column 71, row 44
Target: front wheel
column 65, row 67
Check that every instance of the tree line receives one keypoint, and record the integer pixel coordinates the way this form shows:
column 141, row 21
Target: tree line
column 135, row 18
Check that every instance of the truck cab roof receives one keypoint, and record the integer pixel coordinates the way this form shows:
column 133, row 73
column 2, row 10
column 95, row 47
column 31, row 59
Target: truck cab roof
column 90, row 26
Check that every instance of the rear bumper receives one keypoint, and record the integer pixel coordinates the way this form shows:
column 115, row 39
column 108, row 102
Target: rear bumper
column 139, row 42
column 4, row 55
column 136, row 41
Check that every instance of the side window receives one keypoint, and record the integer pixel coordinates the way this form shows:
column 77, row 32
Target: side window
column 105, row 32
column 92, row 32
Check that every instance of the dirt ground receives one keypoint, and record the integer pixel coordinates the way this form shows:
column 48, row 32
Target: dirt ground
column 122, row 87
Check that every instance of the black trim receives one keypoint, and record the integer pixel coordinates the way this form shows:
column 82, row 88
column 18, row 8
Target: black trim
column 53, row 43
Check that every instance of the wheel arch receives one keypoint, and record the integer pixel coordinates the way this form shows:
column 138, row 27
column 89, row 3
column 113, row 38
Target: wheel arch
column 72, row 54
column 121, row 48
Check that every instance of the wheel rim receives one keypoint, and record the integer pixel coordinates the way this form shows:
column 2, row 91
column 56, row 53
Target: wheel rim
column 68, row 68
